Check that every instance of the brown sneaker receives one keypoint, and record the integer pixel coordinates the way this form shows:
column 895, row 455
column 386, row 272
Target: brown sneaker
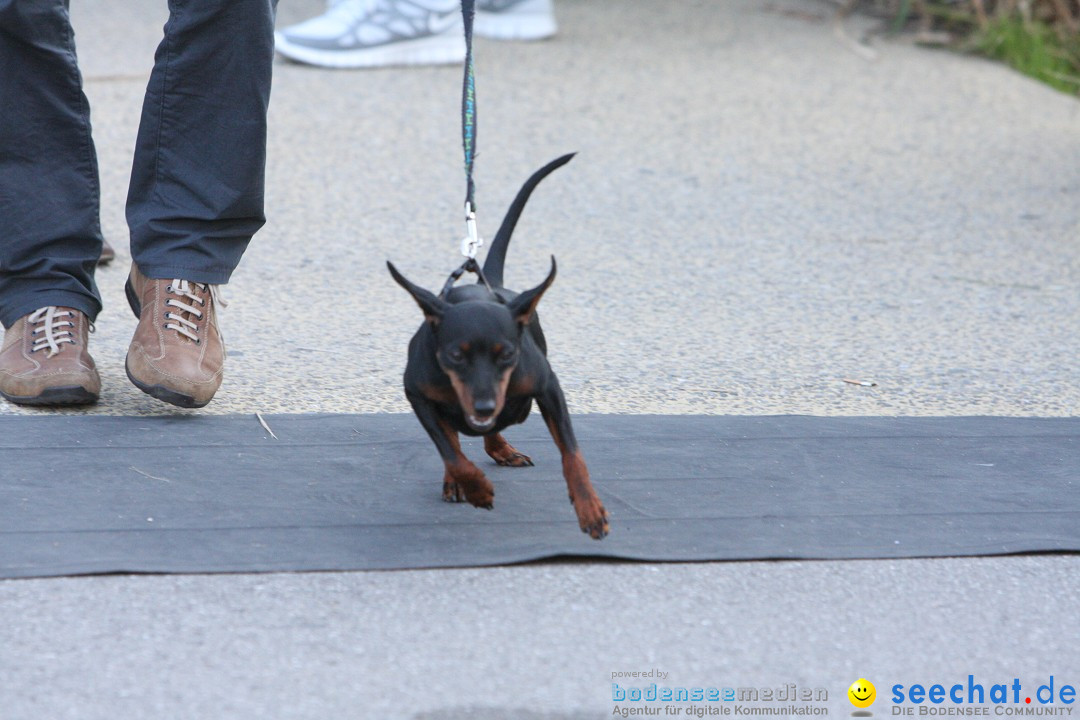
column 44, row 359
column 177, row 354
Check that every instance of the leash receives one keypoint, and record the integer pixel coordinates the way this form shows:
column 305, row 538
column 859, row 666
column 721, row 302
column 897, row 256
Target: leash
column 472, row 240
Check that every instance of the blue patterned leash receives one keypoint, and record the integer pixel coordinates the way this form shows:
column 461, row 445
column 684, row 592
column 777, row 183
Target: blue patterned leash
column 472, row 240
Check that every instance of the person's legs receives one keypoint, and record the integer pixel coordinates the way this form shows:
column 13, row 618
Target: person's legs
column 49, row 191
column 196, row 195
column 49, row 200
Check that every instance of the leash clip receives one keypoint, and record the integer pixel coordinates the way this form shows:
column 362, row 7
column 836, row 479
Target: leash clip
column 472, row 240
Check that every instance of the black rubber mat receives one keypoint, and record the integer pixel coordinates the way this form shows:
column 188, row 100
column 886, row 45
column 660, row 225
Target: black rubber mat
column 85, row 494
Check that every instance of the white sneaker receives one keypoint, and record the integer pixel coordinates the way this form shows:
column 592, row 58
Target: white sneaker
column 514, row 19
column 376, row 33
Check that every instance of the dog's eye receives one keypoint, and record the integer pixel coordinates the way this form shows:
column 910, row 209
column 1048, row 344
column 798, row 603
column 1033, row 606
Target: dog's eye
column 507, row 355
column 455, row 355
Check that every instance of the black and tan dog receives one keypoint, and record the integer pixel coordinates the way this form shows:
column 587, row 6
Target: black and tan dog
column 476, row 365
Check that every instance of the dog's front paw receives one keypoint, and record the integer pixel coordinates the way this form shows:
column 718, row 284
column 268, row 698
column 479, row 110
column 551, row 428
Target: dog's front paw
column 482, row 498
column 592, row 517
column 468, row 483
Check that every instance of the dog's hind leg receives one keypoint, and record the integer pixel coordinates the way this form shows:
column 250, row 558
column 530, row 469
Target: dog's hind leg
column 462, row 480
column 504, row 453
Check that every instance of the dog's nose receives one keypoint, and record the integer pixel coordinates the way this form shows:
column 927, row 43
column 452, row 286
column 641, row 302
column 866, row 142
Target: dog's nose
column 484, row 408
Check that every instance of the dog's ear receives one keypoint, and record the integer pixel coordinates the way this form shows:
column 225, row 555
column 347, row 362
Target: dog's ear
column 524, row 305
column 432, row 306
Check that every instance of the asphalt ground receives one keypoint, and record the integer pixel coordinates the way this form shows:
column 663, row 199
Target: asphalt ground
column 758, row 211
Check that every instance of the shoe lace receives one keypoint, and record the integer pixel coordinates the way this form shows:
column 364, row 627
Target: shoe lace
column 54, row 329
column 187, row 291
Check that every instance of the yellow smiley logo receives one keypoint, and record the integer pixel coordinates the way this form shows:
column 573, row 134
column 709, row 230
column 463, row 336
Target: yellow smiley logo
column 862, row 693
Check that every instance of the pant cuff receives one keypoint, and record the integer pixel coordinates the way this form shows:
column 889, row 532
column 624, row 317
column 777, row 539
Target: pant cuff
column 62, row 298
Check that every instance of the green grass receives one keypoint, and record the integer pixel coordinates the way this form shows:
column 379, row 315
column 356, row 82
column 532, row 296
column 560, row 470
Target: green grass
column 1033, row 48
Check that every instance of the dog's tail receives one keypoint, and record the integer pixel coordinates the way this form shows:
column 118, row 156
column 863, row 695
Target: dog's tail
column 496, row 256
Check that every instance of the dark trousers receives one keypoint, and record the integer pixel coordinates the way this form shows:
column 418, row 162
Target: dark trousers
column 196, row 192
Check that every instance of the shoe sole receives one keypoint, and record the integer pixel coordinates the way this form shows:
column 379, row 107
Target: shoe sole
column 159, row 392
column 65, row 395
column 515, row 26
column 164, row 394
column 434, row 50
